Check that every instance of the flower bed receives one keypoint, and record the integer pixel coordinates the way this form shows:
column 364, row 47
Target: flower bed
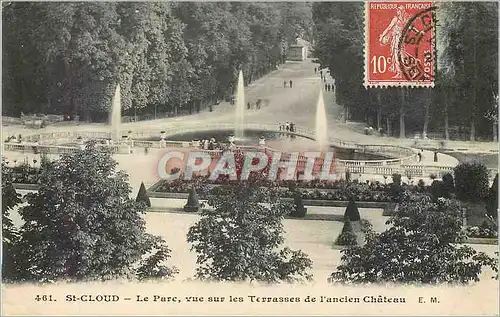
column 483, row 231
column 338, row 190
column 24, row 174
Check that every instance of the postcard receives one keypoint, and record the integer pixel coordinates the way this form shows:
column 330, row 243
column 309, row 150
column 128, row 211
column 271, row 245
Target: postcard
column 250, row 158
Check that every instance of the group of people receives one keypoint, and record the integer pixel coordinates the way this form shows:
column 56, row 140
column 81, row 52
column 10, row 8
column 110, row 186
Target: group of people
column 258, row 104
column 19, row 139
column 420, row 155
column 370, row 131
column 288, row 126
column 211, row 144
column 289, row 82
column 328, row 86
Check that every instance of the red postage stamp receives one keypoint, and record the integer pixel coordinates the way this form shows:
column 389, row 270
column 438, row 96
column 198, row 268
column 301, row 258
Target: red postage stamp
column 400, row 44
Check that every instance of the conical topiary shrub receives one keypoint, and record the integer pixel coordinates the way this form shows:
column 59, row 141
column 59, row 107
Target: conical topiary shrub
column 492, row 199
column 142, row 195
column 193, row 204
column 299, row 211
column 347, row 236
column 352, row 212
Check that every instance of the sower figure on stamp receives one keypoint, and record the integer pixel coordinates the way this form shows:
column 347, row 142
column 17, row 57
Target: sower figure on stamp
column 395, row 28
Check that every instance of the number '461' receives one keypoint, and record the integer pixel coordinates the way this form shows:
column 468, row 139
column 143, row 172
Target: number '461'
column 44, row 298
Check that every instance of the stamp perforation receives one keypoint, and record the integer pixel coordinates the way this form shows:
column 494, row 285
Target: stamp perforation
column 394, row 33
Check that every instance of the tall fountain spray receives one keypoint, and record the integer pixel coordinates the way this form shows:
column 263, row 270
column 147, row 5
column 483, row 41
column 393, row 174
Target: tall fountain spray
column 115, row 118
column 334, row 90
column 240, row 108
column 321, row 124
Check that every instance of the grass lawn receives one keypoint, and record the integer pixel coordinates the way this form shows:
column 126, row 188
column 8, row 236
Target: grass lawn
column 490, row 160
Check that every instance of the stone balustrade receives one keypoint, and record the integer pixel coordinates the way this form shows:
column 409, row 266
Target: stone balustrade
column 47, row 143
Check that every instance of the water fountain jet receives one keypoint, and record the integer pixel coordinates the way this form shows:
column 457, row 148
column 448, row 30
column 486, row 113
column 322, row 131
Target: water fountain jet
column 116, row 114
column 240, row 108
column 321, row 124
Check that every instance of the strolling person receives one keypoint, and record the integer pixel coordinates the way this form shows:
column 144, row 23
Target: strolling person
column 287, row 127
column 326, row 87
column 291, row 83
column 315, row 70
column 419, row 155
column 284, row 84
column 435, row 156
column 248, row 105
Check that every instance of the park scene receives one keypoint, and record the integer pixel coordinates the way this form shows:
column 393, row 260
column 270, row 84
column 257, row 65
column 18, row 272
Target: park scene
column 370, row 185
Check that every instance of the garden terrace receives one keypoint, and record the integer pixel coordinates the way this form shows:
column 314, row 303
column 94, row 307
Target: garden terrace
column 311, row 190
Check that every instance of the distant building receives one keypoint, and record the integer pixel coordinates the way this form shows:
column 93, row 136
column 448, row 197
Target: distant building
column 299, row 51
column 296, row 53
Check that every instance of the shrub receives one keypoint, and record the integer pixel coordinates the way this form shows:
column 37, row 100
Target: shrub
column 448, row 185
column 396, row 179
column 142, row 196
column 485, row 230
column 437, row 190
column 396, row 191
column 298, row 211
column 193, row 203
column 347, row 236
column 351, row 211
column 492, row 200
column 471, row 181
column 421, row 185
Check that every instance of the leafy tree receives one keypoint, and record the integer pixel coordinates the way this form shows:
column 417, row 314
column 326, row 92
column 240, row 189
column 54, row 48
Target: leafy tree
column 462, row 96
column 423, row 245
column 471, row 181
column 10, row 235
column 347, row 236
column 167, row 57
column 465, row 27
column 237, row 240
column 82, row 224
column 142, row 195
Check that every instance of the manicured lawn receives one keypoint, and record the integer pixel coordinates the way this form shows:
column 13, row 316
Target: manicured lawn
column 490, row 160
